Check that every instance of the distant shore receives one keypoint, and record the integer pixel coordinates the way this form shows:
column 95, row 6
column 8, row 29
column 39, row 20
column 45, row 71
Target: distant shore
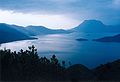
column 30, row 38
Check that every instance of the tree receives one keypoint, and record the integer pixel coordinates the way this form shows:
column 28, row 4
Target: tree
column 54, row 60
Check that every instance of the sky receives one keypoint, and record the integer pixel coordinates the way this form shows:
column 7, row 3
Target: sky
column 58, row 14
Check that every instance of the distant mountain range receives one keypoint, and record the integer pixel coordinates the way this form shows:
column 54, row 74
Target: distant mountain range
column 96, row 26
column 22, row 29
column 13, row 32
column 10, row 33
column 41, row 30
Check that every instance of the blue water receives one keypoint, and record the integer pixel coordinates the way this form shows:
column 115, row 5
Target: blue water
column 66, row 47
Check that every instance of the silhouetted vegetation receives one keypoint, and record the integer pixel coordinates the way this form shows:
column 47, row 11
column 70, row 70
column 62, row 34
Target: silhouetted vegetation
column 109, row 71
column 28, row 66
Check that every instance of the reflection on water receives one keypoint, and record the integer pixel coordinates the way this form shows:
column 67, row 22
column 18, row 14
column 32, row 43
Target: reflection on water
column 67, row 48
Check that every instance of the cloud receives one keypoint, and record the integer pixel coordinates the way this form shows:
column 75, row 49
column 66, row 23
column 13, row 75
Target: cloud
column 50, row 21
column 75, row 9
column 52, row 6
column 116, row 4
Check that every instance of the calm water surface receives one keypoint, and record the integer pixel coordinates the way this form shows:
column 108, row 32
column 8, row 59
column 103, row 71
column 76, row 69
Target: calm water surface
column 65, row 47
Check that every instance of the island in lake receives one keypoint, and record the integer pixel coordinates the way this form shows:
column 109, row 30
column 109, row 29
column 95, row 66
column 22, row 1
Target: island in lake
column 82, row 39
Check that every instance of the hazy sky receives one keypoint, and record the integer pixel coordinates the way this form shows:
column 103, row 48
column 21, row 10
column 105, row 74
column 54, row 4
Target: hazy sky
column 58, row 13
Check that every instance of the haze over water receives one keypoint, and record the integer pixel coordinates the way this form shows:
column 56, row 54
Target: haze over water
column 66, row 47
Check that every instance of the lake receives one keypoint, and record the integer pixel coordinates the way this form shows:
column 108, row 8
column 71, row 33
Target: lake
column 66, row 47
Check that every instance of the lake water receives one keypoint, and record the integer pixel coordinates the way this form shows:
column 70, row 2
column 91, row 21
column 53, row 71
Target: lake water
column 66, row 47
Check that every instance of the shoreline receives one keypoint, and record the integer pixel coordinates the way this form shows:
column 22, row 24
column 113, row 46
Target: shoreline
column 30, row 38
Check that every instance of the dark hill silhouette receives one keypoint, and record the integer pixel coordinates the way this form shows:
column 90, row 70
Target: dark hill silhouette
column 115, row 38
column 38, row 30
column 8, row 34
column 78, row 72
column 109, row 71
column 96, row 26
